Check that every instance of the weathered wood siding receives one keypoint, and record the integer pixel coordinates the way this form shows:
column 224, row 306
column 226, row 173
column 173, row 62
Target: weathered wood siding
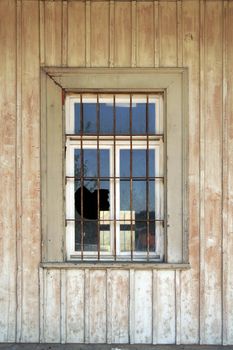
column 110, row 305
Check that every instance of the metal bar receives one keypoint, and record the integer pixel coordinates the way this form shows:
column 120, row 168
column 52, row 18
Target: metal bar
column 131, row 180
column 112, row 220
column 123, row 137
column 123, row 178
column 114, row 173
column 81, row 173
column 98, row 176
column 147, row 184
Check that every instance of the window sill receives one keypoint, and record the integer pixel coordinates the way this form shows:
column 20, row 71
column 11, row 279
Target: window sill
column 115, row 265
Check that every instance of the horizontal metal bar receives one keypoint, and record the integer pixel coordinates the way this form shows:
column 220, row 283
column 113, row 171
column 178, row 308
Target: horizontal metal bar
column 124, row 178
column 112, row 220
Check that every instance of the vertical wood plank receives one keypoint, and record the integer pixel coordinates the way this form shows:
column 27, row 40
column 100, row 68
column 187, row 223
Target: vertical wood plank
column 202, row 169
column 143, row 307
column 19, row 173
column 228, row 236
column 213, row 174
column 76, row 34
column 156, row 33
column 63, row 288
column 42, row 33
column 168, row 33
column 190, row 279
column 132, row 306
column 8, row 171
column 52, row 306
column 30, row 172
column 178, row 306
column 123, row 22
column 118, row 299
column 42, row 299
column 64, row 32
column 165, row 307
column 134, row 34
column 111, row 33
column 88, row 32
column 75, row 306
column 155, row 316
column 53, row 33
column 87, row 306
column 100, row 34
column 98, row 310
column 145, row 34
column 179, row 11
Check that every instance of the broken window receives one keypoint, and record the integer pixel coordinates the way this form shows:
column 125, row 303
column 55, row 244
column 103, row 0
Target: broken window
column 115, row 177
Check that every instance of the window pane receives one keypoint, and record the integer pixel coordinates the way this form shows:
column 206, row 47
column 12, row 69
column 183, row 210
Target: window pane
column 152, row 116
column 138, row 115
column 152, row 172
column 106, row 116
column 125, row 238
column 139, row 199
column 141, row 236
column 152, row 199
column 124, row 195
column 77, row 163
column 139, row 162
column 104, row 163
column 90, row 162
column 122, row 115
column 90, row 235
column 77, row 118
column 124, row 163
column 89, row 117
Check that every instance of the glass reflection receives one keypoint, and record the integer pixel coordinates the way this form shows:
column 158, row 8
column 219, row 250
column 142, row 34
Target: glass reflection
column 106, row 117
column 77, row 126
column 142, row 238
column 89, row 118
column 152, row 117
column 122, row 111
column 139, row 116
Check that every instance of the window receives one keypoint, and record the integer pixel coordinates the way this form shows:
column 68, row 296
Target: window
column 90, row 146
column 114, row 177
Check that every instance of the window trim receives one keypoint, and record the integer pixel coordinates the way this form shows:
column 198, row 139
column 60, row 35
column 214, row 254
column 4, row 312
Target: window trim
column 173, row 82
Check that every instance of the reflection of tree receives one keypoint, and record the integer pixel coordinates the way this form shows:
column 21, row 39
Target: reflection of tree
column 91, row 184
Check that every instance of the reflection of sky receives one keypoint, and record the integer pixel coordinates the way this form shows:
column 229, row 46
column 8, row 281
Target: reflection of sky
column 122, row 118
column 138, row 162
column 90, row 162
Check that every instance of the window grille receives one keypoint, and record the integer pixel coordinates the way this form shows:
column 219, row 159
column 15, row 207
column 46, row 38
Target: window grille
column 115, row 177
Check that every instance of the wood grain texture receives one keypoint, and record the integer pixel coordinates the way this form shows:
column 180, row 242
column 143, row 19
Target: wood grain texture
column 52, row 306
column 143, row 307
column 118, row 306
column 53, row 33
column 190, row 279
column 145, row 34
column 31, row 240
column 76, row 34
column 7, row 171
column 75, row 306
column 83, row 305
column 213, row 175
column 97, row 307
column 228, row 185
column 168, row 33
column 122, row 54
column 99, row 34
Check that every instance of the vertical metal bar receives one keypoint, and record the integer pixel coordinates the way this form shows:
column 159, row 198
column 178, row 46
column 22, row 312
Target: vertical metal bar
column 131, row 181
column 98, row 176
column 81, row 172
column 114, row 171
column 147, row 182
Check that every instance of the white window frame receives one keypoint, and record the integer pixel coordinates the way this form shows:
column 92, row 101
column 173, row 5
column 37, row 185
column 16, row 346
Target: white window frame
column 106, row 142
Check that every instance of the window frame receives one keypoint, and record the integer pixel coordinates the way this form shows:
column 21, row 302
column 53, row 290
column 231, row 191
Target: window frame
column 173, row 82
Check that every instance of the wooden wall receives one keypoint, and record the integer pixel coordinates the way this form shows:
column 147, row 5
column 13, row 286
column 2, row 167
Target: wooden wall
column 130, row 305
